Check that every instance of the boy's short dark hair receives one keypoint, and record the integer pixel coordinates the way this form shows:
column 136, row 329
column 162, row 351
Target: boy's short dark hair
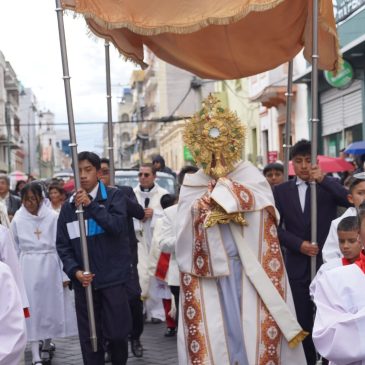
column 105, row 160
column 167, row 200
column 189, row 169
column 353, row 182
column 273, row 166
column 348, row 224
column 92, row 157
column 301, row 148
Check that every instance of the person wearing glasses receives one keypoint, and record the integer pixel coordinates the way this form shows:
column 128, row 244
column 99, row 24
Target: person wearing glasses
column 148, row 194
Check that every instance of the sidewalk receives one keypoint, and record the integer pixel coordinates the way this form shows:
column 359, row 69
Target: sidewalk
column 158, row 350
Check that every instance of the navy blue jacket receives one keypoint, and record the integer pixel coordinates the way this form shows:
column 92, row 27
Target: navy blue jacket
column 295, row 225
column 107, row 238
column 134, row 210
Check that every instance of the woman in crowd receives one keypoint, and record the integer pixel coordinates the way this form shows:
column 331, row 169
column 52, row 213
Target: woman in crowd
column 56, row 196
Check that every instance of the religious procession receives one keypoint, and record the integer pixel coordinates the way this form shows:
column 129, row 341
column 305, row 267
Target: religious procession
column 214, row 213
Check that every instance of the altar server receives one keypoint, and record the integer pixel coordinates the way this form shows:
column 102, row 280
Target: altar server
column 34, row 227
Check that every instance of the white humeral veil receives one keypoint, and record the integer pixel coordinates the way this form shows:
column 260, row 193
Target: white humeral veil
column 204, row 333
column 339, row 325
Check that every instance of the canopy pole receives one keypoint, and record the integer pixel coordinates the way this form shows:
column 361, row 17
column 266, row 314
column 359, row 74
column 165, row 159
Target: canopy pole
column 314, row 123
column 110, row 117
column 289, row 99
column 73, row 146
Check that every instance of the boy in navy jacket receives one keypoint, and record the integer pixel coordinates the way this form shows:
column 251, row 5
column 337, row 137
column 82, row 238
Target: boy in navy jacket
column 105, row 215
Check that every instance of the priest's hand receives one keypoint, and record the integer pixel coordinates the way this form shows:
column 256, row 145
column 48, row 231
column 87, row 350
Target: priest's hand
column 82, row 198
column 308, row 249
column 148, row 213
column 84, row 278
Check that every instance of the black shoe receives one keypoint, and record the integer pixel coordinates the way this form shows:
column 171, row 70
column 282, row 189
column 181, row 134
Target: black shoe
column 170, row 332
column 156, row 320
column 46, row 356
column 137, row 348
column 37, row 362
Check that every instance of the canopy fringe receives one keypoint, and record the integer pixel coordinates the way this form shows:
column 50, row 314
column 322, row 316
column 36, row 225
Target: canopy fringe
column 240, row 14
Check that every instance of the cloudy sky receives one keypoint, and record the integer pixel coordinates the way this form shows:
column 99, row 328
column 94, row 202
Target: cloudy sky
column 29, row 41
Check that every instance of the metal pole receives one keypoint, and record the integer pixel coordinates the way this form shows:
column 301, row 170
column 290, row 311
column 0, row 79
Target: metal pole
column 289, row 98
column 110, row 117
column 314, row 122
column 73, row 145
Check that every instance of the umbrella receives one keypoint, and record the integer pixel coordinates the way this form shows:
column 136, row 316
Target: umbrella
column 356, row 148
column 18, row 175
column 328, row 164
column 239, row 39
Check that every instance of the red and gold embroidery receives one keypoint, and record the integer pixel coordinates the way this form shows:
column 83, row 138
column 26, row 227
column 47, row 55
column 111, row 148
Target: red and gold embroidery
column 201, row 258
column 245, row 197
column 272, row 262
column 192, row 314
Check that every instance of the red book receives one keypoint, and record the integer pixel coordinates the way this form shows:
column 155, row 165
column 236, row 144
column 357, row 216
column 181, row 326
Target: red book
column 162, row 265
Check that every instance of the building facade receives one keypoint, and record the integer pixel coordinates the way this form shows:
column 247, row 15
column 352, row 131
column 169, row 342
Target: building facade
column 11, row 153
column 342, row 96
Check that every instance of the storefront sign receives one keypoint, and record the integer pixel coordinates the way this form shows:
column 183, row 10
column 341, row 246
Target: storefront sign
column 343, row 77
column 344, row 8
column 272, row 156
column 187, row 154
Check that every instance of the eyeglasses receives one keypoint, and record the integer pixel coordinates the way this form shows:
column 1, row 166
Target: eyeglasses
column 144, row 174
column 105, row 171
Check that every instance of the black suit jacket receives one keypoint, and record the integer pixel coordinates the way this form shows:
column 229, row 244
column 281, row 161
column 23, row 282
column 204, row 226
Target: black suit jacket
column 134, row 210
column 295, row 225
column 13, row 204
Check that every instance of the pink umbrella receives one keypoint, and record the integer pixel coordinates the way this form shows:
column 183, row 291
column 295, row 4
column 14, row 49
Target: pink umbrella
column 328, row 164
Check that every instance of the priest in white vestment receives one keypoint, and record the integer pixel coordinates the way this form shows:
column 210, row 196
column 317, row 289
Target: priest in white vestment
column 236, row 303
column 148, row 194
column 34, row 228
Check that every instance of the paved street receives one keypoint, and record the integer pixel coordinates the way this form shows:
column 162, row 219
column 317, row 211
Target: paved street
column 158, row 350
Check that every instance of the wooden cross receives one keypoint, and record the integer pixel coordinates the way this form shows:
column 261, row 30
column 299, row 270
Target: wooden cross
column 37, row 232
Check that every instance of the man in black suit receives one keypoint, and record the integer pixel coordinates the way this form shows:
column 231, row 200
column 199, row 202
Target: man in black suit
column 12, row 202
column 292, row 199
column 134, row 210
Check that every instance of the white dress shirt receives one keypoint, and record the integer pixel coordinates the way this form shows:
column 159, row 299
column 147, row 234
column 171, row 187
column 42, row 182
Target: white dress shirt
column 302, row 189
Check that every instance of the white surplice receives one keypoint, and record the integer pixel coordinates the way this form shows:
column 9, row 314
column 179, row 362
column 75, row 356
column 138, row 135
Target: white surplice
column 51, row 308
column 144, row 233
column 224, row 282
column 339, row 326
column 8, row 255
column 331, row 247
column 12, row 322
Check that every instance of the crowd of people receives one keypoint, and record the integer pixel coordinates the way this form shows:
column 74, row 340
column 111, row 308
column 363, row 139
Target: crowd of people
column 153, row 256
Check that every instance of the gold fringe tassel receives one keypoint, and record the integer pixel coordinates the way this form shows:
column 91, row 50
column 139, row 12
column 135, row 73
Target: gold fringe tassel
column 240, row 14
column 294, row 342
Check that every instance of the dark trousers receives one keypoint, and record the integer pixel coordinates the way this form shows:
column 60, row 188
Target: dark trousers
column 112, row 320
column 135, row 304
column 304, row 308
column 175, row 290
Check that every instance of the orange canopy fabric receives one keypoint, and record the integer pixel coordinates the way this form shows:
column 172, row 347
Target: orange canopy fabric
column 213, row 39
